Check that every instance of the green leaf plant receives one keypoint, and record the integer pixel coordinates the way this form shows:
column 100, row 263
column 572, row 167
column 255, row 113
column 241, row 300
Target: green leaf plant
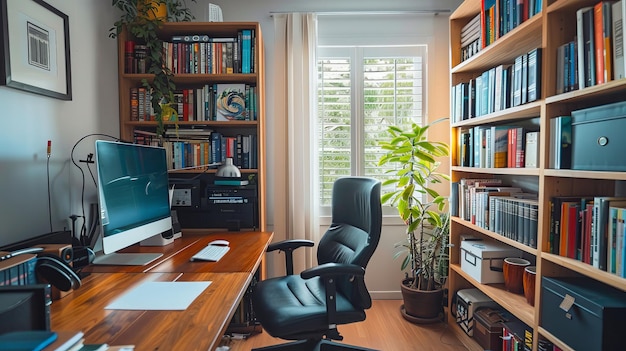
column 140, row 19
column 420, row 206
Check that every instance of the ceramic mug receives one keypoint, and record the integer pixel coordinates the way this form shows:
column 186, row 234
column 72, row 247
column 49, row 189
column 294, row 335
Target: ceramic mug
column 513, row 269
column 530, row 274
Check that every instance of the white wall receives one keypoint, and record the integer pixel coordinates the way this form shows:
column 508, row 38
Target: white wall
column 29, row 121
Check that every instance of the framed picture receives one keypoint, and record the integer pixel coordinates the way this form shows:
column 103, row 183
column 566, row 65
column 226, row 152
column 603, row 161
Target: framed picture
column 35, row 50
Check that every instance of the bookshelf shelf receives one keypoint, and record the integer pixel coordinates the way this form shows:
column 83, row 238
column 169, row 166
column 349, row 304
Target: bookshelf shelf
column 553, row 26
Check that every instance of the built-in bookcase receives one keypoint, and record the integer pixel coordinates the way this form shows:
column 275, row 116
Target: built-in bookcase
column 548, row 30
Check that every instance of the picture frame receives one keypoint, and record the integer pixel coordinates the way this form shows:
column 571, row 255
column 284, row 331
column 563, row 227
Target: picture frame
column 35, row 50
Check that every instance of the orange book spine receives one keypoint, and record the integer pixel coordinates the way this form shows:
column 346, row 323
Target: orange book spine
column 599, row 42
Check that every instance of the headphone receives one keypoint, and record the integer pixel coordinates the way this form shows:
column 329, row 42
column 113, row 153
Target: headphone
column 55, row 271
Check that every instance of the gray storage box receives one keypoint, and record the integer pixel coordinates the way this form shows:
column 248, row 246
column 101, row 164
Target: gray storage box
column 583, row 313
column 598, row 140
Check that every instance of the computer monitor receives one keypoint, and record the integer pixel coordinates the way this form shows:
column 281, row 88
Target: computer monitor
column 133, row 197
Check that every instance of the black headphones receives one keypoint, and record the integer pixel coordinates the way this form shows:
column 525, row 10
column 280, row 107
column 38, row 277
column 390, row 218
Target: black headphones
column 56, row 272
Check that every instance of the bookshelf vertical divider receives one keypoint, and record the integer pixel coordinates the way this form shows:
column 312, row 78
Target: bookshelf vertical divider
column 553, row 25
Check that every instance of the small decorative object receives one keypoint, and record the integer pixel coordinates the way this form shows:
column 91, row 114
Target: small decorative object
column 228, row 169
column 36, row 48
column 213, row 13
column 513, row 269
column 530, row 275
column 231, row 102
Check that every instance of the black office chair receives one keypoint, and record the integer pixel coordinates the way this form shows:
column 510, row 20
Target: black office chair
column 309, row 306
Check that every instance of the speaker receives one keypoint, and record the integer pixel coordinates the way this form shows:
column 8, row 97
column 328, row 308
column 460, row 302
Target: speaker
column 54, row 267
column 64, row 251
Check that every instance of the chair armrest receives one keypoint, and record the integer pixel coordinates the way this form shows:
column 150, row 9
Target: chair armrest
column 287, row 246
column 333, row 269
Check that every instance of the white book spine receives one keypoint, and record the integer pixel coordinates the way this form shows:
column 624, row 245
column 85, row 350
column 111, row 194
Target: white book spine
column 619, row 41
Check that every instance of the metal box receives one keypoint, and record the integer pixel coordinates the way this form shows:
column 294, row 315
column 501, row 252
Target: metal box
column 583, row 313
column 467, row 302
column 598, row 139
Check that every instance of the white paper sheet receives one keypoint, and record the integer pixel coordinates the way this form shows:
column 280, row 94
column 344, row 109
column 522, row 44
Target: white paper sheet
column 160, row 296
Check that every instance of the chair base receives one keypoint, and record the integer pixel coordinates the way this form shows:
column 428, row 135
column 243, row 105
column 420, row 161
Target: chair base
column 313, row 345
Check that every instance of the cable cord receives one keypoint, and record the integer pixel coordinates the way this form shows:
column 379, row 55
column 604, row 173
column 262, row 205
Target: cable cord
column 49, row 194
column 83, row 228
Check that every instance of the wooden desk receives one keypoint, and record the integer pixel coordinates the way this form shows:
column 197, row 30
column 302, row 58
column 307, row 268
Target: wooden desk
column 245, row 254
column 199, row 327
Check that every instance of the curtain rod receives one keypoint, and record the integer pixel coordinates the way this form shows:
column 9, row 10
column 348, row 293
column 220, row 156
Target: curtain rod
column 338, row 13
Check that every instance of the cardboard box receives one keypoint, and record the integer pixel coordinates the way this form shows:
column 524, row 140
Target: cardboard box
column 467, row 302
column 483, row 259
column 598, row 139
column 583, row 313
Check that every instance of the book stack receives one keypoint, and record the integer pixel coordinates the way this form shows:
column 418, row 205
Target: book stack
column 203, row 54
column 470, row 38
column 498, row 88
column 590, row 229
column 598, row 50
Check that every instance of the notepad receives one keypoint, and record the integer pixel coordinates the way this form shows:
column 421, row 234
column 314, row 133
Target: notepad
column 175, row 296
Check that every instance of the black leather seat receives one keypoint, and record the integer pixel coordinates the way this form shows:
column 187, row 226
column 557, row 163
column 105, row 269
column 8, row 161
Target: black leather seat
column 309, row 306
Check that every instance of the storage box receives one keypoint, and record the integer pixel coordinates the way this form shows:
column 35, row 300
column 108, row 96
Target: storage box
column 488, row 328
column 467, row 302
column 483, row 259
column 598, row 139
column 583, row 313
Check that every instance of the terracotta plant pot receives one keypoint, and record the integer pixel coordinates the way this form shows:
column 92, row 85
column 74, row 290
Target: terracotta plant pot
column 421, row 306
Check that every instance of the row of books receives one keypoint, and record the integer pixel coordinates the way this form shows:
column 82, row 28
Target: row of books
column 499, row 146
column 202, row 54
column 499, row 88
column 590, row 229
column 471, row 41
column 498, row 17
column 135, row 57
column 205, row 150
column 212, row 102
column 502, row 209
column 18, row 271
column 596, row 55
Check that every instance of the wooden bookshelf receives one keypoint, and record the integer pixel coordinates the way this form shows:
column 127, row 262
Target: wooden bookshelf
column 184, row 81
column 553, row 26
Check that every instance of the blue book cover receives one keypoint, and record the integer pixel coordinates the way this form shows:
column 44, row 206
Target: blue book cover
column 30, row 340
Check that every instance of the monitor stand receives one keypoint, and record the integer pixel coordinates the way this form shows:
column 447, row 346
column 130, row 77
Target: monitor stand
column 126, row 259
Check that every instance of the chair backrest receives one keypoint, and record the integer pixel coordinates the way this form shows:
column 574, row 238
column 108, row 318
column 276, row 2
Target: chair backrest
column 354, row 232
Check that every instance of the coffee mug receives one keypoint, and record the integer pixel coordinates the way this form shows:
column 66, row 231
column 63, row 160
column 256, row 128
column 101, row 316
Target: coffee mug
column 513, row 269
column 530, row 274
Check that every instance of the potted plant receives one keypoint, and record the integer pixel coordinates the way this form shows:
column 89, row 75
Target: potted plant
column 142, row 19
column 421, row 207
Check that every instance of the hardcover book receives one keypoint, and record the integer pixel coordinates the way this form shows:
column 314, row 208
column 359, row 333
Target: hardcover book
column 230, row 102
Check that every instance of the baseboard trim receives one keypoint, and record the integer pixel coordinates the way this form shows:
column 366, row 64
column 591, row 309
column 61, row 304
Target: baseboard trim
column 386, row 295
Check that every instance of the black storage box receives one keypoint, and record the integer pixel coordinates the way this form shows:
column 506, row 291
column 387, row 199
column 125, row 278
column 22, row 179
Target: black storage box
column 598, row 140
column 583, row 313
column 488, row 328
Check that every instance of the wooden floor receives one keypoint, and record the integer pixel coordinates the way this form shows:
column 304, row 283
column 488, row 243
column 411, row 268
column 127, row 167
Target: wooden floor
column 383, row 329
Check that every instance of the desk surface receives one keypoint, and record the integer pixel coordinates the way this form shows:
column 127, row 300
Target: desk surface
column 199, row 327
column 245, row 254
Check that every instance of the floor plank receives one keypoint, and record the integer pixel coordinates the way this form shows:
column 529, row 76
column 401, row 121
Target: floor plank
column 383, row 329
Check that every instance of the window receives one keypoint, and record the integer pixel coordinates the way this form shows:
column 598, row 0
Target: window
column 361, row 91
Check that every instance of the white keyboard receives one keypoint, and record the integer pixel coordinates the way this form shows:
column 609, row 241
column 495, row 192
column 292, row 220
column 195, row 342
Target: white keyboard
column 211, row 253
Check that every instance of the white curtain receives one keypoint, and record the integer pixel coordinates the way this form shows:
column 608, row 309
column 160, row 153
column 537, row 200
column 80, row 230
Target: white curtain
column 296, row 204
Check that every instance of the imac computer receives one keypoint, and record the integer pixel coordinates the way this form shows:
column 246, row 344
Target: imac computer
column 133, row 195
